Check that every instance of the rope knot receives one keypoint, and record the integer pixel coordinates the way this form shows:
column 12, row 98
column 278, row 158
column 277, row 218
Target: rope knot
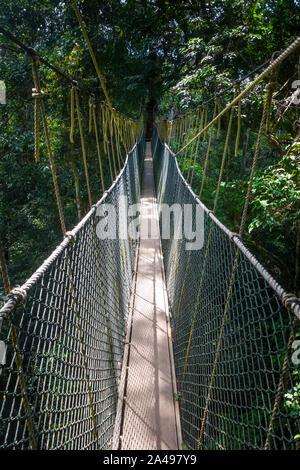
column 232, row 235
column 18, row 294
column 288, row 299
column 70, row 236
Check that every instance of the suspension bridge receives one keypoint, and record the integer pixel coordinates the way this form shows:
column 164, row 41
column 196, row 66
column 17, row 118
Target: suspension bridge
column 123, row 343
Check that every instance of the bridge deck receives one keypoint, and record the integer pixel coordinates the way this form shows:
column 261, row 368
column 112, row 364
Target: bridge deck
column 149, row 420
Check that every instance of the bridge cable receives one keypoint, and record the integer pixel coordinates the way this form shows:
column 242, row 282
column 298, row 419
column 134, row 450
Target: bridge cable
column 266, row 72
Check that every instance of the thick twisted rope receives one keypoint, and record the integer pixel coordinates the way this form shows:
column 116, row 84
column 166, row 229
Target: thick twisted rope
column 93, row 113
column 93, row 57
column 86, row 172
column 38, row 93
column 4, row 271
column 266, row 72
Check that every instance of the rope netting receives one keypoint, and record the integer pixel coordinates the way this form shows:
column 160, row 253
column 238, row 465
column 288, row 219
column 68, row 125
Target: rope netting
column 232, row 334
column 61, row 350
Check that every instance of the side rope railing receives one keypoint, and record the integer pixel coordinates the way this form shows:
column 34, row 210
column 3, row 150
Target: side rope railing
column 63, row 332
column 238, row 387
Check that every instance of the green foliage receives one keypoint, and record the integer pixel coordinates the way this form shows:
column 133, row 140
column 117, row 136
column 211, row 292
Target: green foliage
column 275, row 197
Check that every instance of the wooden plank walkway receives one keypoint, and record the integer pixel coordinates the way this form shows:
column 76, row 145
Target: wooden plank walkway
column 149, row 420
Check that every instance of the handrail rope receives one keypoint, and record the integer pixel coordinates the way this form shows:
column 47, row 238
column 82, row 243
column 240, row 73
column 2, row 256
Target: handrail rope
column 37, row 94
column 93, row 57
column 31, row 51
column 268, row 70
column 237, row 82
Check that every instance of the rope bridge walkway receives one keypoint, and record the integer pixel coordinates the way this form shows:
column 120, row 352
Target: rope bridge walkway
column 118, row 343
column 149, row 420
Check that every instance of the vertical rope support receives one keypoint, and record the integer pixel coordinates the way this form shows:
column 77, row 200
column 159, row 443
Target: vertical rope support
column 186, row 132
column 207, row 152
column 108, row 334
column 224, row 156
column 205, row 121
column 93, row 113
column 280, row 384
column 49, row 149
column 83, row 148
column 81, row 347
column 4, row 271
column 198, row 142
column 111, row 132
column 208, row 240
column 270, row 88
column 117, row 142
column 219, row 345
column 72, row 104
column 23, row 387
column 238, row 132
column 93, row 57
column 219, row 120
column 193, row 150
column 105, row 140
column 37, row 98
column 91, row 104
column 254, row 162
